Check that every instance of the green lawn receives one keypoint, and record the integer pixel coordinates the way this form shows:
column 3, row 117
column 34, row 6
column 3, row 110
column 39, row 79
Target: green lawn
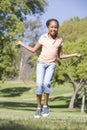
column 18, row 105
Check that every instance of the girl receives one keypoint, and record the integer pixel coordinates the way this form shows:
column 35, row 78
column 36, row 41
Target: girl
column 51, row 45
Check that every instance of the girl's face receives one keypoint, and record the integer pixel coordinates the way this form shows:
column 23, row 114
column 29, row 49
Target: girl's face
column 53, row 29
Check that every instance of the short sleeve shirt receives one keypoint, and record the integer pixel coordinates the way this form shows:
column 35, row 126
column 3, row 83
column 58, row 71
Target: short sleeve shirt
column 49, row 48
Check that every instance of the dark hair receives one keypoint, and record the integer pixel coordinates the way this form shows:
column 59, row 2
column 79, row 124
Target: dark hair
column 49, row 20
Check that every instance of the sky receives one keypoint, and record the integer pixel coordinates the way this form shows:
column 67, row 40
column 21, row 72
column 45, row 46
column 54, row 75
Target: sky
column 63, row 10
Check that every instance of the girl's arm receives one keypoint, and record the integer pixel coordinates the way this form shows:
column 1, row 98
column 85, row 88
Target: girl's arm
column 64, row 56
column 32, row 49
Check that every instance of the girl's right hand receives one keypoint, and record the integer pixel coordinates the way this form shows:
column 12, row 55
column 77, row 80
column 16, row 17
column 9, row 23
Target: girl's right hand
column 19, row 43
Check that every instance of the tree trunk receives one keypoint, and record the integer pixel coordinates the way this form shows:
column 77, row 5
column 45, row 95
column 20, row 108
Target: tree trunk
column 77, row 87
column 83, row 104
column 83, row 100
column 73, row 99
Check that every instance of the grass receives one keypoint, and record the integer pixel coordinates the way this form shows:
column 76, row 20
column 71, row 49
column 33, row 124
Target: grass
column 18, row 105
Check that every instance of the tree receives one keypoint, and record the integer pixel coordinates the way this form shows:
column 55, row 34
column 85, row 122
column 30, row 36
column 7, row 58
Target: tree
column 73, row 71
column 12, row 14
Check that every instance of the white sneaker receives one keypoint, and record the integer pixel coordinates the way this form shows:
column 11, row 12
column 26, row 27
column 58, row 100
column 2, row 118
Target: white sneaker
column 45, row 111
column 38, row 113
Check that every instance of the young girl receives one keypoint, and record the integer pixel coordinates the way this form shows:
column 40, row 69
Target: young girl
column 51, row 45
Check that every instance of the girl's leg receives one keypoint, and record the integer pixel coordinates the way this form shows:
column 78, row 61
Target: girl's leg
column 39, row 87
column 39, row 98
column 46, row 97
column 40, row 71
column 47, row 84
column 47, row 81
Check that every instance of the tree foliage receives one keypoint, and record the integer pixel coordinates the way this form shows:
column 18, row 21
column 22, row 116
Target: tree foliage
column 73, row 70
column 12, row 14
column 78, row 70
column 72, row 29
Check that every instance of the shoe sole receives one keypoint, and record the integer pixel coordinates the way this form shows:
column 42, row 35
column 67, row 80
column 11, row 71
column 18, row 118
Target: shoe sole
column 45, row 115
column 37, row 116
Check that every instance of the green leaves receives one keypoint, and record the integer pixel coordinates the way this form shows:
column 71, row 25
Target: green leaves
column 12, row 14
column 72, row 29
column 78, row 70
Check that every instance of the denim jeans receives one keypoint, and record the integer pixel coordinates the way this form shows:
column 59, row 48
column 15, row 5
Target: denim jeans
column 44, row 74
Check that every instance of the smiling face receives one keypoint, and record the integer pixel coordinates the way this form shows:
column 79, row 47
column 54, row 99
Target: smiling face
column 53, row 29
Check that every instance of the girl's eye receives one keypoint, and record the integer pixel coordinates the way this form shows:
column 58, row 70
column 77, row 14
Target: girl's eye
column 53, row 27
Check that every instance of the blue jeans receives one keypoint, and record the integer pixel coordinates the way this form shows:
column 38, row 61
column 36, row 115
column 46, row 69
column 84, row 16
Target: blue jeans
column 44, row 74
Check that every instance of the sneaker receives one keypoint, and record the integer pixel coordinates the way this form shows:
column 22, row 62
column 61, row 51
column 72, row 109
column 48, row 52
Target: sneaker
column 45, row 111
column 38, row 113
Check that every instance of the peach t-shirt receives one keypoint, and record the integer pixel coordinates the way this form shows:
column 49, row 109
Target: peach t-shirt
column 49, row 48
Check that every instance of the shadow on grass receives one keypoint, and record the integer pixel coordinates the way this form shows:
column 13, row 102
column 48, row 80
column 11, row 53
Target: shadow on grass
column 60, row 98
column 18, row 105
column 12, row 92
column 56, row 102
column 32, row 106
column 65, row 103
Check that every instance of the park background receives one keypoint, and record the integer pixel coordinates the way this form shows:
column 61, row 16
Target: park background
column 25, row 20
